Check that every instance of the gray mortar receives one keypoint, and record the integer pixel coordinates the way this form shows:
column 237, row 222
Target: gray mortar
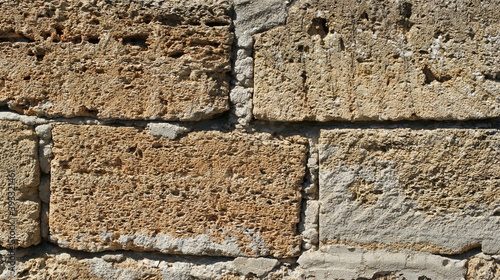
column 310, row 225
column 311, row 181
column 44, row 133
column 28, row 120
column 251, row 17
column 166, row 130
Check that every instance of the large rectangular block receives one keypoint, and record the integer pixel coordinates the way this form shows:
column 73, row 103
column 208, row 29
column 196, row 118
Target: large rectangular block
column 116, row 59
column 380, row 60
column 19, row 178
column 430, row 190
column 52, row 264
column 347, row 262
column 208, row 193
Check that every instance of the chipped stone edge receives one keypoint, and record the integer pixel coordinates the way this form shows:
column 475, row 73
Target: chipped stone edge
column 199, row 245
column 166, row 130
column 337, row 261
column 28, row 120
column 134, row 266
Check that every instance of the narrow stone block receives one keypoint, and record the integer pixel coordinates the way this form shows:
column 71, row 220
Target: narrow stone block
column 341, row 262
column 19, row 178
column 135, row 266
column 116, row 59
column 207, row 193
column 429, row 190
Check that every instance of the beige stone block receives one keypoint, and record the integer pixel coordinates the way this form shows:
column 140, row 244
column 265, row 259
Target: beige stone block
column 137, row 266
column 207, row 193
column 482, row 268
column 429, row 190
column 334, row 262
column 19, row 178
column 116, row 59
column 380, row 60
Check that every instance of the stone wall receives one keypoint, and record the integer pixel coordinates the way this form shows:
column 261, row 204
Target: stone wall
column 250, row 139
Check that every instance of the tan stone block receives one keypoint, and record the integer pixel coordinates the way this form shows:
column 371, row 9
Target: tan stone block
column 484, row 269
column 133, row 266
column 19, row 178
column 114, row 59
column 62, row 266
column 430, row 190
column 380, row 60
column 208, row 193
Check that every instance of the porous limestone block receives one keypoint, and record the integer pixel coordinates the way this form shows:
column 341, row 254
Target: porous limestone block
column 19, row 178
column 134, row 59
column 428, row 190
column 341, row 262
column 137, row 266
column 483, row 268
column 380, row 60
column 207, row 193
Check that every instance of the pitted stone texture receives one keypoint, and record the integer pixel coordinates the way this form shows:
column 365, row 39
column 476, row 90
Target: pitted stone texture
column 483, row 269
column 339, row 262
column 380, row 60
column 430, row 190
column 19, row 178
column 134, row 59
column 139, row 267
column 207, row 193
column 257, row 16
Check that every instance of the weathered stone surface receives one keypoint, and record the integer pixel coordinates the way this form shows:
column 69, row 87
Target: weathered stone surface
column 483, row 269
column 339, row 262
column 310, row 225
column 256, row 266
column 29, row 120
column 138, row 267
column 208, row 193
column 431, row 190
column 257, row 16
column 116, row 59
column 380, row 60
column 166, row 130
column 19, row 178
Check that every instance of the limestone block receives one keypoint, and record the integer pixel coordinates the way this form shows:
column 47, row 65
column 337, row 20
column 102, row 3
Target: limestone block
column 429, row 190
column 19, row 178
column 206, row 193
column 256, row 16
column 484, row 269
column 380, row 60
column 54, row 265
column 255, row 266
column 340, row 262
column 134, row 59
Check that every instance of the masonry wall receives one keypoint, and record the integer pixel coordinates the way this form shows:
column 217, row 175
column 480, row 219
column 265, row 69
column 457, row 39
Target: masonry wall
column 250, row 139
